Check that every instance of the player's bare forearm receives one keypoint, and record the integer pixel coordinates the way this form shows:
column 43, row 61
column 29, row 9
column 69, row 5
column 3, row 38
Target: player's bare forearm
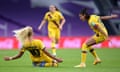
column 48, row 54
column 14, row 57
column 41, row 24
column 62, row 23
column 109, row 17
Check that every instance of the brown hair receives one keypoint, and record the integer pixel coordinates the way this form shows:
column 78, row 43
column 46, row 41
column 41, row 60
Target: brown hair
column 84, row 12
column 56, row 8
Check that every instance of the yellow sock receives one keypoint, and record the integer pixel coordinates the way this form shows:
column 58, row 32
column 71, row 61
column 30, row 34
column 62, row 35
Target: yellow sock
column 93, row 52
column 83, row 57
column 51, row 65
column 54, row 51
column 84, row 53
column 53, row 48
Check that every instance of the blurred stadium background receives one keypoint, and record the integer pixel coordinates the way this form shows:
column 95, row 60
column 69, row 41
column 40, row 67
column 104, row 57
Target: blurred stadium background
column 15, row 14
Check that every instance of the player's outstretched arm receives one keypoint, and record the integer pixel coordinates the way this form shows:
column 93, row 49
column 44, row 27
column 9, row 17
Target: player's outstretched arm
column 48, row 54
column 14, row 57
column 109, row 17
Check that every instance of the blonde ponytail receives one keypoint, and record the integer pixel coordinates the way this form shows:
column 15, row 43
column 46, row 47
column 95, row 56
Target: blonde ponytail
column 22, row 34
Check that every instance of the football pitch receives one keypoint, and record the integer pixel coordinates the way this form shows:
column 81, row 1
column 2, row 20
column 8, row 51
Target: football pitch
column 110, row 62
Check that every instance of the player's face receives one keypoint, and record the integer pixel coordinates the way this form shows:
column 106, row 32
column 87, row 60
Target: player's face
column 82, row 17
column 52, row 8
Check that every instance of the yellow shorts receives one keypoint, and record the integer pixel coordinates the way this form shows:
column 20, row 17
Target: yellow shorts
column 54, row 33
column 99, row 38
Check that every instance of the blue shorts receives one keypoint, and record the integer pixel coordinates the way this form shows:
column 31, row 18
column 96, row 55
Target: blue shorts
column 39, row 64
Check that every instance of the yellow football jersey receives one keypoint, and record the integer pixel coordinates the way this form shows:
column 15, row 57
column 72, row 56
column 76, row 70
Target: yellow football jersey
column 35, row 48
column 95, row 20
column 53, row 19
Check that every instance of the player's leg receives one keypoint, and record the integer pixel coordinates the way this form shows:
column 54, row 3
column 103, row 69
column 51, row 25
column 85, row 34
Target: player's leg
column 45, row 64
column 57, row 37
column 53, row 46
column 55, row 40
column 49, row 62
column 83, row 55
column 98, row 39
column 86, row 46
column 45, row 61
column 51, row 34
column 97, row 59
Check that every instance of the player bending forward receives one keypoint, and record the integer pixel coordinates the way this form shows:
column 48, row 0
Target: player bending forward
column 100, row 35
column 39, row 56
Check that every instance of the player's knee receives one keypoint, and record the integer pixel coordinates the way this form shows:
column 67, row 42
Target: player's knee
column 84, row 51
column 84, row 47
column 91, row 50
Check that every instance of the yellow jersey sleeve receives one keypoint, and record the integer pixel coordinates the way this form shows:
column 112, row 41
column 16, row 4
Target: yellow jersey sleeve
column 41, row 45
column 60, row 15
column 46, row 16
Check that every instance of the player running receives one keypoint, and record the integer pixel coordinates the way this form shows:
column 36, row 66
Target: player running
column 55, row 24
column 39, row 56
column 100, row 35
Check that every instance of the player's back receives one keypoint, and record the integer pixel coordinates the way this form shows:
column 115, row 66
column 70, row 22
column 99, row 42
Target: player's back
column 35, row 48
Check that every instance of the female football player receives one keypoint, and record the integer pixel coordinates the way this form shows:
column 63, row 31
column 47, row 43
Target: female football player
column 39, row 55
column 100, row 35
column 55, row 23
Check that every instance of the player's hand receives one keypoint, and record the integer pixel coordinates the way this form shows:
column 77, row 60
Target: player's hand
column 60, row 27
column 39, row 28
column 59, row 60
column 7, row 58
column 114, row 15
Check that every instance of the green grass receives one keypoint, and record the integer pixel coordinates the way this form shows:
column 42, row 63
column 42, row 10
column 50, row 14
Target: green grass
column 110, row 62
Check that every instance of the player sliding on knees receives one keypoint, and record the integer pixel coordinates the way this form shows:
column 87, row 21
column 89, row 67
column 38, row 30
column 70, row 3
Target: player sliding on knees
column 100, row 35
column 39, row 55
